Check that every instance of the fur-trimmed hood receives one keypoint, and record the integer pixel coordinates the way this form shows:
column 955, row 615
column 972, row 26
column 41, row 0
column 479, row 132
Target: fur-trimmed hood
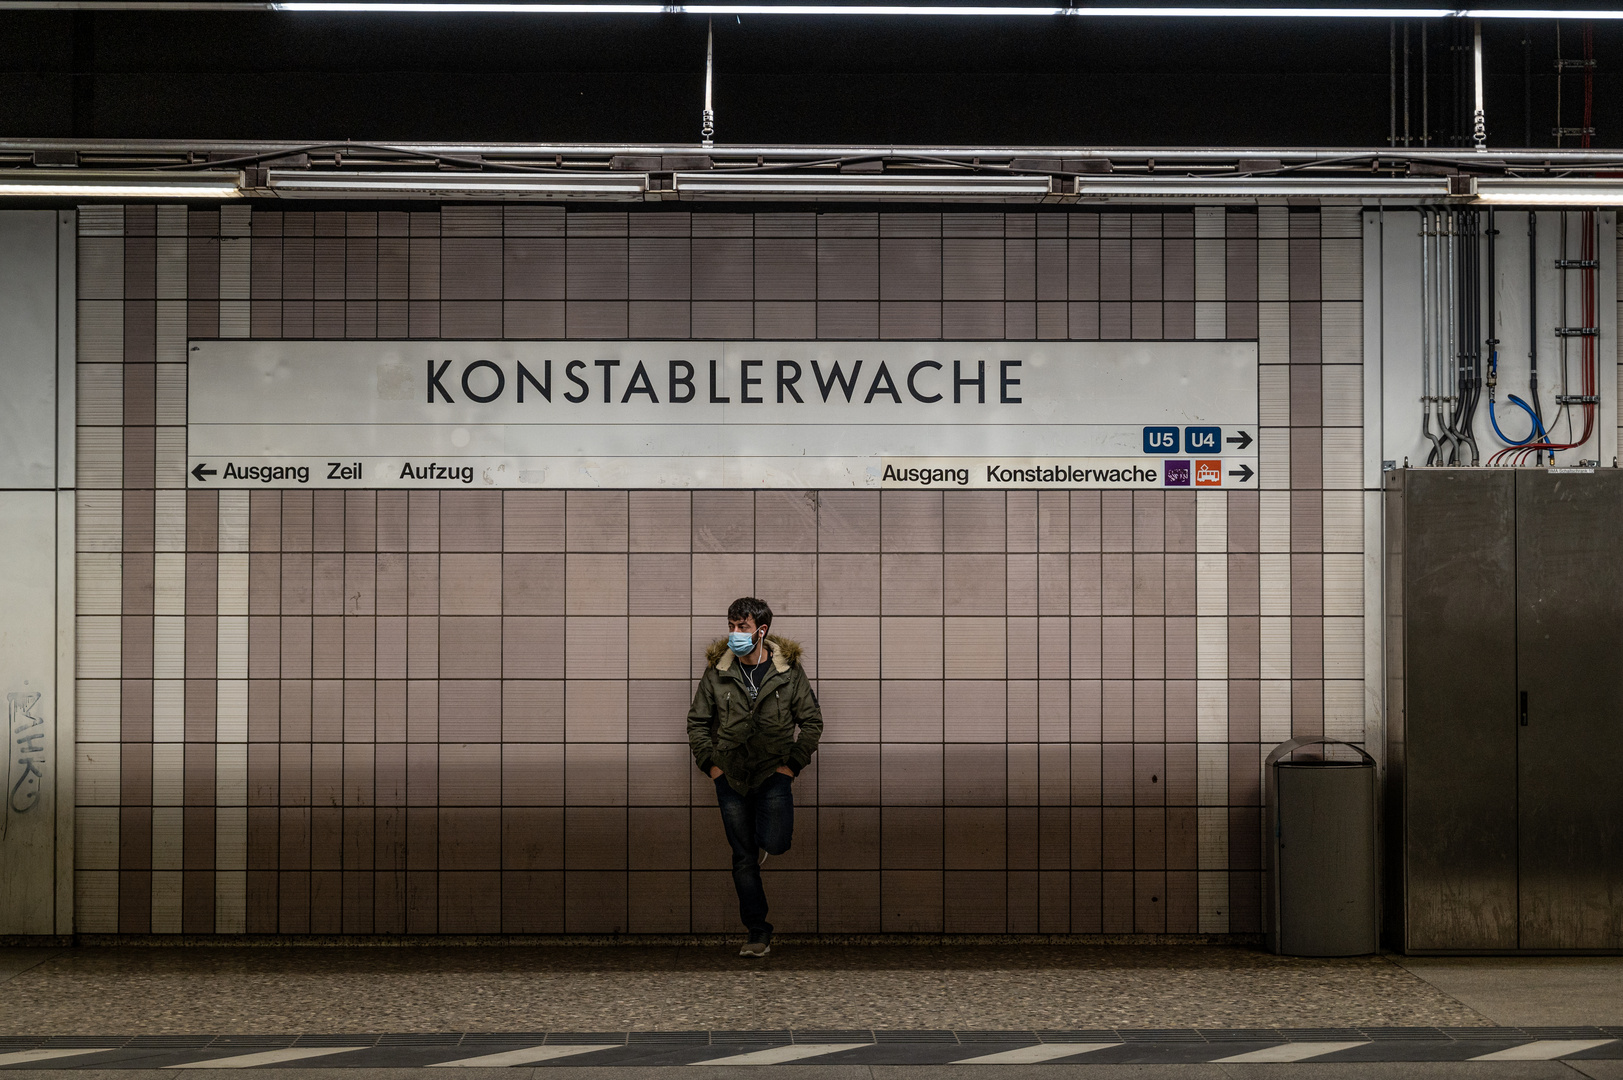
column 785, row 653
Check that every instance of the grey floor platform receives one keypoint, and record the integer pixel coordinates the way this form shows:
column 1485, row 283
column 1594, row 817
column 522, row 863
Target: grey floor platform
column 838, row 1013
column 160, row 989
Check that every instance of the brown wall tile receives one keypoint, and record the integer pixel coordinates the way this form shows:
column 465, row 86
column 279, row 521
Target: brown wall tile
column 1008, row 676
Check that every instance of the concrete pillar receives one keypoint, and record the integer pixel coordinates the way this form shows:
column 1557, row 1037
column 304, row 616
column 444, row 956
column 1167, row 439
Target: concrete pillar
column 36, row 570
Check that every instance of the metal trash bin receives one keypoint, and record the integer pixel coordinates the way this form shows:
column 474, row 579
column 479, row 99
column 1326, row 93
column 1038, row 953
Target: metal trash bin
column 1320, row 893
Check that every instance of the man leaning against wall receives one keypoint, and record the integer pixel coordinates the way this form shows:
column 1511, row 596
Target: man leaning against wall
column 753, row 726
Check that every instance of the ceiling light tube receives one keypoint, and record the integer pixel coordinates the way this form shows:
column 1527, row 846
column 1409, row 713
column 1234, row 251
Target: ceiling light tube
column 1085, row 12
column 711, row 185
column 474, row 8
column 1529, row 13
column 868, row 10
column 792, row 186
column 299, row 183
column 1265, row 187
column 486, row 7
column 84, row 184
column 1557, row 192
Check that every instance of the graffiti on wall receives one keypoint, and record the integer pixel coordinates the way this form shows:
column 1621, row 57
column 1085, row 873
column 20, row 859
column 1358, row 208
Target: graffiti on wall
column 25, row 778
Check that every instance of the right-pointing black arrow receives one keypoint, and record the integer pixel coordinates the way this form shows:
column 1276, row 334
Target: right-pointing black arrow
column 1243, row 472
column 199, row 472
column 1243, row 440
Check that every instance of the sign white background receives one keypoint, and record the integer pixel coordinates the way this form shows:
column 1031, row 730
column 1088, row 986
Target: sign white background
column 268, row 403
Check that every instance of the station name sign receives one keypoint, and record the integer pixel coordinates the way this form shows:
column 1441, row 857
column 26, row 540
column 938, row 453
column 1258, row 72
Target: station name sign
column 486, row 381
column 683, row 414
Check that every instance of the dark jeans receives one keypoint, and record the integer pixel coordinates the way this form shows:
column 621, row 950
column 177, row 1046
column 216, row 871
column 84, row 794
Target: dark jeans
column 765, row 818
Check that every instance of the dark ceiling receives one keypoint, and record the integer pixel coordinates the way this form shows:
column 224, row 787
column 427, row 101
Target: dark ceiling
column 1021, row 81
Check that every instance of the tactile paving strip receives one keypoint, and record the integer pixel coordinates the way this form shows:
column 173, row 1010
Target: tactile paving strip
column 867, row 1046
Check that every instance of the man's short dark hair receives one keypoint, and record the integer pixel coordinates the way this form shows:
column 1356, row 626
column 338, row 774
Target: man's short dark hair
column 748, row 607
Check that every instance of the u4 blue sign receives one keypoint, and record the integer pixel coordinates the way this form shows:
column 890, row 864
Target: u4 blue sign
column 1203, row 440
column 1161, row 440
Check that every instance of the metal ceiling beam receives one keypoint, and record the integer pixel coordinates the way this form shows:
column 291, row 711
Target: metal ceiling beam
column 482, row 7
column 77, row 184
column 202, row 152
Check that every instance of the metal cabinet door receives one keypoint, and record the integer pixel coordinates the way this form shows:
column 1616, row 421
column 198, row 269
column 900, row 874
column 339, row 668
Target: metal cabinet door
column 1569, row 607
column 1459, row 710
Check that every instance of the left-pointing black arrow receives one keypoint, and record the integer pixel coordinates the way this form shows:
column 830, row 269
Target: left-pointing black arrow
column 1243, row 472
column 199, row 472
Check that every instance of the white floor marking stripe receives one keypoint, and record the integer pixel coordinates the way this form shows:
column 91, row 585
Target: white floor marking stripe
column 23, row 1057
column 522, row 1057
column 1026, row 1055
column 778, row 1054
column 1300, row 1051
column 1543, row 1050
column 267, row 1057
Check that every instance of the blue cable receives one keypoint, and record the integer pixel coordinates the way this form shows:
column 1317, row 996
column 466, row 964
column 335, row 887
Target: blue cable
column 1538, row 429
column 1543, row 436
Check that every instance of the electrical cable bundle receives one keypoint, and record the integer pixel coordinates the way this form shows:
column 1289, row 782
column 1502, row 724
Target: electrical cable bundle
column 1451, row 332
column 1539, row 441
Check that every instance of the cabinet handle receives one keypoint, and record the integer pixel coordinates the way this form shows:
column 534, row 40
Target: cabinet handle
column 1524, row 708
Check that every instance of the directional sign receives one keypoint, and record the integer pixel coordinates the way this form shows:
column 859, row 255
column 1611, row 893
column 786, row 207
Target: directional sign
column 1160, row 440
column 1203, row 440
column 732, row 414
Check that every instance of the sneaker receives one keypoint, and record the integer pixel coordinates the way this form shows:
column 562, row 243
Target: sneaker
column 754, row 949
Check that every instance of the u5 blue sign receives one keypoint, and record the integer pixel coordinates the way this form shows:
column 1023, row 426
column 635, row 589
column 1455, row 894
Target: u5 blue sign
column 1203, row 440
column 1161, row 440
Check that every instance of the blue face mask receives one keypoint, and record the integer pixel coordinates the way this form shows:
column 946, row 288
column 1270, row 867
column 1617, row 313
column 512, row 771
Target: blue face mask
column 741, row 643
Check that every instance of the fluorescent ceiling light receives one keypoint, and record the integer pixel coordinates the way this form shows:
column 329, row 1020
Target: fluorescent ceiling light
column 937, row 10
column 84, row 184
column 1263, row 188
column 488, row 7
column 1529, row 13
column 475, row 8
column 869, row 10
column 849, row 186
column 1083, row 12
column 970, row 186
column 298, row 183
column 1557, row 192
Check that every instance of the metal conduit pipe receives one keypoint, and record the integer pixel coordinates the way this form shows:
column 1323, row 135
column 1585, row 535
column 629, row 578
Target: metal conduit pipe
column 1445, row 355
column 1460, row 358
column 1439, row 338
column 1471, row 294
column 1459, row 330
column 1563, row 319
column 1428, row 307
column 1532, row 323
column 1479, row 119
column 905, row 10
column 1429, row 303
column 1469, row 303
column 1446, row 369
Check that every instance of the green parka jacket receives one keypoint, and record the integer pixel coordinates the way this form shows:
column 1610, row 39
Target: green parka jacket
column 748, row 739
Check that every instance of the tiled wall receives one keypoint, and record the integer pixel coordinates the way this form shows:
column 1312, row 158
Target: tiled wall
column 463, row 711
